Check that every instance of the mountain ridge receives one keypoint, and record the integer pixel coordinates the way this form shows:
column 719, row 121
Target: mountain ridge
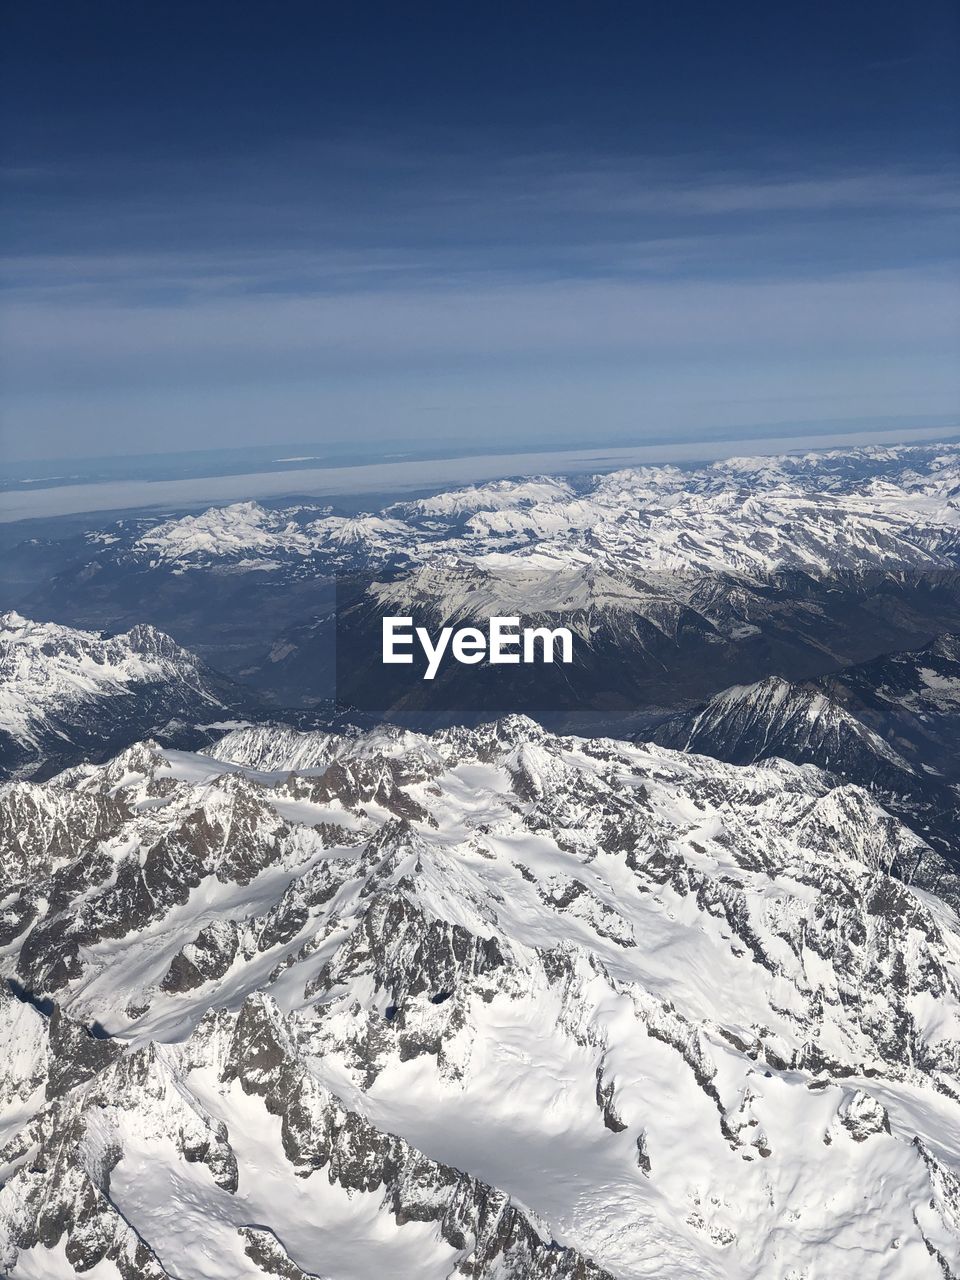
column 686, row 580
column 669, row 1016
column 888, row 725
column 67, row 693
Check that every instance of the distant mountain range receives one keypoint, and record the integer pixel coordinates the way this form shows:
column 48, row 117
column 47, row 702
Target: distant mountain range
column 822, row 513
column 678, row 582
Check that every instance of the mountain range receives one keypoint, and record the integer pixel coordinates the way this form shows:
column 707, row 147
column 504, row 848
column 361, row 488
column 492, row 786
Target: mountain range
column 664, row 982
column 890, row 725
column 681, row 581
column 67, row 695
column 489, row 1003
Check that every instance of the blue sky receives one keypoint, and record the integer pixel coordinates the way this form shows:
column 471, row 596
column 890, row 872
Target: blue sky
column 516, row 224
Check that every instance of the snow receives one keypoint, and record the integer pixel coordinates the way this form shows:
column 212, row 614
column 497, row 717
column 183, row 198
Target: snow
column 945, row 688
column 820, row 513
column 224, row 532
column 326, row 1229
column 40, row 1263
column 672, row 936
column 49, row 672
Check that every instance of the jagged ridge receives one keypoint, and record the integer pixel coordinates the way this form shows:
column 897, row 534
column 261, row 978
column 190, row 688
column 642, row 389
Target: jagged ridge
column 678, row 1016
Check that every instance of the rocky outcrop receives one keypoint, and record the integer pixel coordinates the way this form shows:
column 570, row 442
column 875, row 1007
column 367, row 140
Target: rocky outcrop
column 490, row 1004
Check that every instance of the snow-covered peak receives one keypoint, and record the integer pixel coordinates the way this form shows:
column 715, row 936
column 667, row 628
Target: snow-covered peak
column 775, row 711
column 62, row 687
column 498, row 495
column 44, row 667
column 223, row 533
column 819, row 513
column 488, row 1000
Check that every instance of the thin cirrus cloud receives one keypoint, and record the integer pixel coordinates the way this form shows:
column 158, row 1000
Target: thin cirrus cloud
column 525, row 219
column 568, row 319
column 357, row 196
column 875, row 191
column 688, row 288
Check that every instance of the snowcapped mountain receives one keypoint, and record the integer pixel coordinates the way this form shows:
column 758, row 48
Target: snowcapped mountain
column 912, row 699
column 493, row 1002
column 902, row 710
column 488, row 1003
column 683, row 581
column 819, row 513
column 66, row 695
column 776, row 718
column 890, row 725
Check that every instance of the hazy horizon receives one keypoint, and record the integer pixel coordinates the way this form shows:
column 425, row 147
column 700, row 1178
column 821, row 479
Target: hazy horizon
column 398, row 474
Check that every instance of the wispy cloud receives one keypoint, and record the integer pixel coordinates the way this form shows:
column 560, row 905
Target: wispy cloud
column 328, row 217
column 572, row 320
column 615, row 189
column 527, row 271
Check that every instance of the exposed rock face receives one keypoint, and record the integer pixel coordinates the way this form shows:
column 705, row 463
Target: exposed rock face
column 490, row 1004
column 69, row 695
column 890, row 725
column 63, row 1193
